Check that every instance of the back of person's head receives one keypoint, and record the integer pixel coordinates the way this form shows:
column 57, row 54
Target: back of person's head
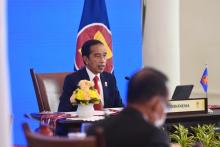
column 146, row 84
column 87, row 45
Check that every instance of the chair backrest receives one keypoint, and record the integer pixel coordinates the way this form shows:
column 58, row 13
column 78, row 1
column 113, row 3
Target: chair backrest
column 38, row 140
column 48, row 88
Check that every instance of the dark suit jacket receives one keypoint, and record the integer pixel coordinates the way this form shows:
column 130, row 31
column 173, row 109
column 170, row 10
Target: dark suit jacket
column 110, row 91
column 130, row 129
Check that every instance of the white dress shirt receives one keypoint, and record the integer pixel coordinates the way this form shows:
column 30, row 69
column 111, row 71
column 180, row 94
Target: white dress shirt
column 91, row 77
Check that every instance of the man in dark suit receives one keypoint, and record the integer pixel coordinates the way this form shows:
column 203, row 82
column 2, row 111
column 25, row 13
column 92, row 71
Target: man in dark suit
column 138, row 124
column 94, row 57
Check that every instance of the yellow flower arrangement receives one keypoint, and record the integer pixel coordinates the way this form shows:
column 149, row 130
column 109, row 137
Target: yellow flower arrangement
column 85, row 94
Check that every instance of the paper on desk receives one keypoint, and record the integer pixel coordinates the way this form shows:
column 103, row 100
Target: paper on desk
column 110, row 111
column 210, row 111
column 97, row 113
column 93, row 118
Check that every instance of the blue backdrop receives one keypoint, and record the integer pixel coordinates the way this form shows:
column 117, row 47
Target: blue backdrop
column 42, row 34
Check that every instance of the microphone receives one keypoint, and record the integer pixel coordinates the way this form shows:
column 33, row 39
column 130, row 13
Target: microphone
column 127, row 78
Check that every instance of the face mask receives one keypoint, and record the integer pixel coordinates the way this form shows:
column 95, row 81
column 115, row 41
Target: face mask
column 159, row 122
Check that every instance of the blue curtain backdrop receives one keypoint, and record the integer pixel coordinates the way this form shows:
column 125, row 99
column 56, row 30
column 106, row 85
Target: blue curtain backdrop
column 42, row 34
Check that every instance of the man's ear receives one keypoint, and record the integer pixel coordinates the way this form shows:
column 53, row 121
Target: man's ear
column 155, row 103
column 152, row 105
column 85, row 60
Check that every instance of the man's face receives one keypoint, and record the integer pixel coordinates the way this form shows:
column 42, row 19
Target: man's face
column 97, row 58
column 162, row 106
column 160, row 111
column 158, row 107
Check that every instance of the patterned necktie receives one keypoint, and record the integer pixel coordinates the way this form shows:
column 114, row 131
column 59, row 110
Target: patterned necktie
column 96, row 85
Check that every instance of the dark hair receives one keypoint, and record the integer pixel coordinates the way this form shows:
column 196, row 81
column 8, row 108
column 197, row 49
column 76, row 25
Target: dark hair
column 87, row 45
column 145, row 84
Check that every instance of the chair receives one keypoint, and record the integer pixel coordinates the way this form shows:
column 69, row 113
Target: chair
column 38, row 140
column 48, row 88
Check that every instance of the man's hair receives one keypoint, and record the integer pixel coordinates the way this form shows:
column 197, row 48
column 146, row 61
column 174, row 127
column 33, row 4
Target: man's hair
column 145, row 84
column 87, row 45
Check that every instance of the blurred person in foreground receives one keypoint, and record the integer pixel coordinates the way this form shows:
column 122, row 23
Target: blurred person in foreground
column 138, row 125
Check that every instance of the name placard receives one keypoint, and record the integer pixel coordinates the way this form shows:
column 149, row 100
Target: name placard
column 195, row 105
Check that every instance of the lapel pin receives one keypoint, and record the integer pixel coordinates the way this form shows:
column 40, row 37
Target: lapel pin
column 106, row 84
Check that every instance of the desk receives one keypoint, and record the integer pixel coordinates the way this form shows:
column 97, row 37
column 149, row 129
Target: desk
column 213, row 117
column 69, row 121
column 65, row 125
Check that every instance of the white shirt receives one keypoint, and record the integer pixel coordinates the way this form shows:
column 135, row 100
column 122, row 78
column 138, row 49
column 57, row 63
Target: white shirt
column 91, row 77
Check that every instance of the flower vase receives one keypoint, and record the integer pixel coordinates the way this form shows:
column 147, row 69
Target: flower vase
column 85, row 110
